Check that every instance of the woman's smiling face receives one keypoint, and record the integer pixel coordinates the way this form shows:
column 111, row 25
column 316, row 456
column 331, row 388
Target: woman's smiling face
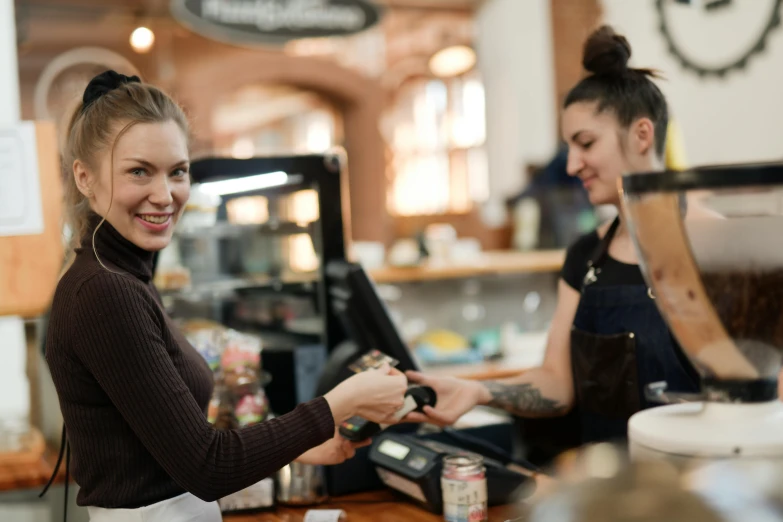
column 142, row 188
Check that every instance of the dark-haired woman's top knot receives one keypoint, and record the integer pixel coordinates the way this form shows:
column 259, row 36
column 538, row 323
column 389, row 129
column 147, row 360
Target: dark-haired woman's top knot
column 606, row 53
column 103, row 83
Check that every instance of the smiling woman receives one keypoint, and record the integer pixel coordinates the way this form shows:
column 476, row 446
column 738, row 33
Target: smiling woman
column 133, row 392
column 147, row 143
column 607, row 340
column 143, row 197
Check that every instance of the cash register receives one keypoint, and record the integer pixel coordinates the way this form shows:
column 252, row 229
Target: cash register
column 399, row 458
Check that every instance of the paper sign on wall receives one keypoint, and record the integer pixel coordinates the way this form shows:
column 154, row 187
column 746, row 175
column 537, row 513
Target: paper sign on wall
column 20, row 192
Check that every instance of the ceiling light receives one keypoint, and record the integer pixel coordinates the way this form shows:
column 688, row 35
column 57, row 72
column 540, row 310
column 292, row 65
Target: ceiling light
column 243, row 148
column 142, row 39
column 245, row 184
column 452, row 61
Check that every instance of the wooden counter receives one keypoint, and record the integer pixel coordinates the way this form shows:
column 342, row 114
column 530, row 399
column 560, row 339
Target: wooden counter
column 14, row 478
column 379, row 506
column 488, row 263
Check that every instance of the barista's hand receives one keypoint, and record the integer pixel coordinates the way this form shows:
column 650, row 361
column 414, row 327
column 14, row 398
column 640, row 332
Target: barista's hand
column 334, row 451
column 455, row 397
column 375, row 395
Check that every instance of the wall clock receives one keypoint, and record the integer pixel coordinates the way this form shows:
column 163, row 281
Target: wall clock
column 715, row 37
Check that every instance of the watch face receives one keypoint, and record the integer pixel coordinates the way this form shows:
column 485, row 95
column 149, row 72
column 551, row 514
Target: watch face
column 712, row 37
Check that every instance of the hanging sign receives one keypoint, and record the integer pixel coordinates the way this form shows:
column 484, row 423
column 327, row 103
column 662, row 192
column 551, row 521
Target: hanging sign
column 274, row 21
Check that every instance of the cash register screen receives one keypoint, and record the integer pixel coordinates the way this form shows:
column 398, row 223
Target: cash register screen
column 364, row 315
column 394, row 449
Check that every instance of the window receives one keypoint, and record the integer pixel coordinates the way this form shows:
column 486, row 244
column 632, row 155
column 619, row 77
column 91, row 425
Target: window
column 436, row 132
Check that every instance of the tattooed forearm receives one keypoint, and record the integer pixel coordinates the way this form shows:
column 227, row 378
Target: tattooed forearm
column 524, row 400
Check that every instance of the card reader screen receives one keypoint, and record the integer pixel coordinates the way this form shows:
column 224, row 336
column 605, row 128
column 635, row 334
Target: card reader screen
column 394, row 449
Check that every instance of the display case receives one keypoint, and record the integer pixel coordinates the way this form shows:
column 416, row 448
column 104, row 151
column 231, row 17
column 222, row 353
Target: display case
column 244, row 276
column 249, row 251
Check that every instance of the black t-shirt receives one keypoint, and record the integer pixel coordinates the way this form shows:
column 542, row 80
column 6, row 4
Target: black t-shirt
column 612, row 273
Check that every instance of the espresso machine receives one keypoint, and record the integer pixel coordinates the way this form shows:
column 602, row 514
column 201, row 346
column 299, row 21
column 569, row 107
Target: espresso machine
column 710, row 245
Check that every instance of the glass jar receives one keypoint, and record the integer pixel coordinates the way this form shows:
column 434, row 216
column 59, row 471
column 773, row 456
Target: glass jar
column 221, row 411
column 248, row 400
column 238, row 399
column 464, row 489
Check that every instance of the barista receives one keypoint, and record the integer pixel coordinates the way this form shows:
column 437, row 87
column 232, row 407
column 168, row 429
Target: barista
column 607, row 340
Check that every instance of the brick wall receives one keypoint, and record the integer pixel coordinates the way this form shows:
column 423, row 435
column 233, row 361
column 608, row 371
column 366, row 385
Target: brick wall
column 572, row 23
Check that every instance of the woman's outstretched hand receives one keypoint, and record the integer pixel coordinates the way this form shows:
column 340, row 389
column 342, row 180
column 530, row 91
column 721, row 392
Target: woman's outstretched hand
column 375, row 395
column 334, row 451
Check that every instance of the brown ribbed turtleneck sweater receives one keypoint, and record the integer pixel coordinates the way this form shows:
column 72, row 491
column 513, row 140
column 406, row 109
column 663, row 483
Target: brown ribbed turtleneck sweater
column 134, row 393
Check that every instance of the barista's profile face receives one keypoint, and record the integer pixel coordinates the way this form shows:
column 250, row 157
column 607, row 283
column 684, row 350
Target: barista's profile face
column 600, row 150
column 595, row 150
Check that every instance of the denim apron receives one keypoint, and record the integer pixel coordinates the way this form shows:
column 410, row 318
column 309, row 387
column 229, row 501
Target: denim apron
column 619, row 345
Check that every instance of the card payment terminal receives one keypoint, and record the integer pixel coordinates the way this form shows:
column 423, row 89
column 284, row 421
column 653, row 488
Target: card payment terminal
column 413, row 466
column 357, row 429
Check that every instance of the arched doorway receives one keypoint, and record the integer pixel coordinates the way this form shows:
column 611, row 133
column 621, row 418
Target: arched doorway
column 266, row 119
column 357, row 100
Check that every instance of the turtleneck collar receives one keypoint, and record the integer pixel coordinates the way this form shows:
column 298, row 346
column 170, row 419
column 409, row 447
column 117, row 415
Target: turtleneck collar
column 114, row 248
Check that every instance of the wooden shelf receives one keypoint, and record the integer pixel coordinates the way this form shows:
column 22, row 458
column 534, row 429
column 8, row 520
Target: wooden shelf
column 227, row 286
column 488, row 264
column 19, row 477
column 229, row 230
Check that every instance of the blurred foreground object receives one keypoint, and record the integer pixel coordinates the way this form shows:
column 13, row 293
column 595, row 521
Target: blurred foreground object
column 708, row 244
column 603, row 486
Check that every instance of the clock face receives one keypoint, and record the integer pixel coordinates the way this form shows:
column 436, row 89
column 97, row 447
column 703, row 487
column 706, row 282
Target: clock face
column 712, row 37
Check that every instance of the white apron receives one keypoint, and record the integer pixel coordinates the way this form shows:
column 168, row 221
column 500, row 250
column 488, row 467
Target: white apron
column 184, row 508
